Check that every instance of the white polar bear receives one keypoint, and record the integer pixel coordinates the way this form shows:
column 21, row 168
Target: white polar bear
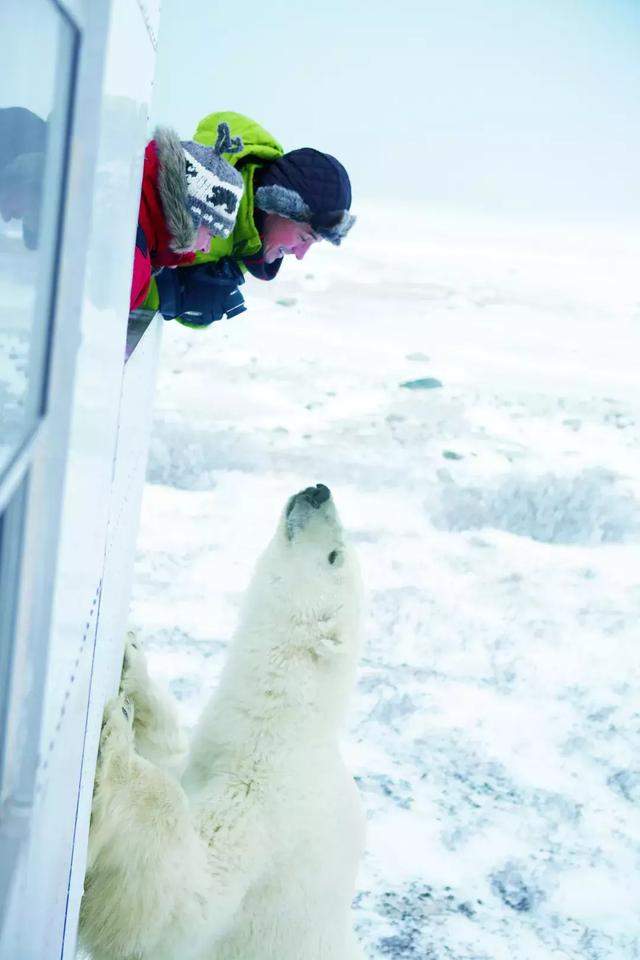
column 253, row 854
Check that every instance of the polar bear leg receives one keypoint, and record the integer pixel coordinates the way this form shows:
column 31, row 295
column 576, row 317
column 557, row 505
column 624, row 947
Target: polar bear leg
column 148, row 889
column 158, row 736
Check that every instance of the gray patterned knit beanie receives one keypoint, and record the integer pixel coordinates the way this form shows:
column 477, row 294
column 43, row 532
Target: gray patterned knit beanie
column 214, row 187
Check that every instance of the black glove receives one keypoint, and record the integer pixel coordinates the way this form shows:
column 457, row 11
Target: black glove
column 200, row 294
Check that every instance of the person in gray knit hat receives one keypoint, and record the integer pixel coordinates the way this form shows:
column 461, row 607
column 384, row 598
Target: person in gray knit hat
column 190, row 194
column 214, row 188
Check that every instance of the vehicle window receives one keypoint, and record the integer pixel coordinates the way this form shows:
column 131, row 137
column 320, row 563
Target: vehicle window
column 33, row 122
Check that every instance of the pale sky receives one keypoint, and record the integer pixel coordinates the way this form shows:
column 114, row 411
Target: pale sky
column 516, row 108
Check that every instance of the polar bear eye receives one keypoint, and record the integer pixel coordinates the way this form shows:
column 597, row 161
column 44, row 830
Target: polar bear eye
column 333, row 556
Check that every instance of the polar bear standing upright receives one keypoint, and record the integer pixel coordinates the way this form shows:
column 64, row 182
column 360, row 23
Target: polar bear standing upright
column 253, row 855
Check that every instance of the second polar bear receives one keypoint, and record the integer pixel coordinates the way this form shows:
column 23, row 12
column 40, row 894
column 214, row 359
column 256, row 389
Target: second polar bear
column 253, row 854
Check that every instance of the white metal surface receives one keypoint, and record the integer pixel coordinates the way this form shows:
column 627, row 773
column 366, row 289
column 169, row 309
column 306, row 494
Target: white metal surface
column 98, row 448
column 134, row 426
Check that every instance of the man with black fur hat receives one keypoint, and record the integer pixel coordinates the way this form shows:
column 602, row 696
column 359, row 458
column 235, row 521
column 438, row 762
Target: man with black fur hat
column 290, row 201
column 307, row 188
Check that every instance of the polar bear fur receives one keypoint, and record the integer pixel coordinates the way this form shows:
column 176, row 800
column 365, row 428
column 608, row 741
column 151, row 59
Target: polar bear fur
column 252, row 854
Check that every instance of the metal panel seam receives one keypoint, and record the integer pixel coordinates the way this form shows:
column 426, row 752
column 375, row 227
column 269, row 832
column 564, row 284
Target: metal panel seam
column 147, row 23
column 44, row 760
column 84, row 745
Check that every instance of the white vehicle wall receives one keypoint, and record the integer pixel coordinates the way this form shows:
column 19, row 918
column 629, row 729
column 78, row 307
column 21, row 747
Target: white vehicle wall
column 74, row 426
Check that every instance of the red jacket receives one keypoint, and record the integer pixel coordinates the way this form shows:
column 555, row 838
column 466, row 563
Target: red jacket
column 153, row 242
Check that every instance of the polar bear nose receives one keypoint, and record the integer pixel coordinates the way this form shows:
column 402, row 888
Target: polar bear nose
column 317, row 495
column 312, row 496
column 302, row 505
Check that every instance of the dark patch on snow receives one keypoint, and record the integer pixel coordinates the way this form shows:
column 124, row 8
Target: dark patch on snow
column 418, row 357
column 627, row 784
column 466, row 909
column 474, row 781
column 423, row 383
column 406, row 911
column 404, row 914
column 595, row 945
column 404, row 946
column 513, row 890
column 389, row 709
column 588, row 508
column 398, row 791
column 452, row 455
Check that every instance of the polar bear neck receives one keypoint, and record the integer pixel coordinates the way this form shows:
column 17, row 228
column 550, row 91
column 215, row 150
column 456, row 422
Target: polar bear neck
column 274, row 700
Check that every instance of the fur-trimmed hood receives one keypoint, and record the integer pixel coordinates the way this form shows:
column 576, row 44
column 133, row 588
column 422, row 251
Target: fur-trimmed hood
column 167, row 226
column 172, row 187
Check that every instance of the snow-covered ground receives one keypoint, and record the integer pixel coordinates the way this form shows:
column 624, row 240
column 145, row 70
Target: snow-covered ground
column 470, row 394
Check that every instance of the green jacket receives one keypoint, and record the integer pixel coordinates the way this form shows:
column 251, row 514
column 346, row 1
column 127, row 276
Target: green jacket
column 259, row 148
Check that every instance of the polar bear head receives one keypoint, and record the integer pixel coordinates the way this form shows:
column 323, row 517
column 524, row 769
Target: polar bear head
column 306, row 589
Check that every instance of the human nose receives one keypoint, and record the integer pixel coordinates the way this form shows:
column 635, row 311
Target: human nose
column 301, row 249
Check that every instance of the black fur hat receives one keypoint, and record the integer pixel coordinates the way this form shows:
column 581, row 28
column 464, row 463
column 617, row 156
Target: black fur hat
column 311, row 187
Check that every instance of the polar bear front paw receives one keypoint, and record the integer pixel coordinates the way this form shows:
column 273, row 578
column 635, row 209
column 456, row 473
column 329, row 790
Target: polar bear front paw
column 158, row 736
column 116, row 738
column 135, row 675
column 127, row 710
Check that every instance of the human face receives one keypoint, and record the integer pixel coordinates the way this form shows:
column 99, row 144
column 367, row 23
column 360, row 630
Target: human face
column 202, row 241
column 281, row 237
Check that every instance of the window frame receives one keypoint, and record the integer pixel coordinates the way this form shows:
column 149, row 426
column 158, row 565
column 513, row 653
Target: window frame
column 17, row 512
